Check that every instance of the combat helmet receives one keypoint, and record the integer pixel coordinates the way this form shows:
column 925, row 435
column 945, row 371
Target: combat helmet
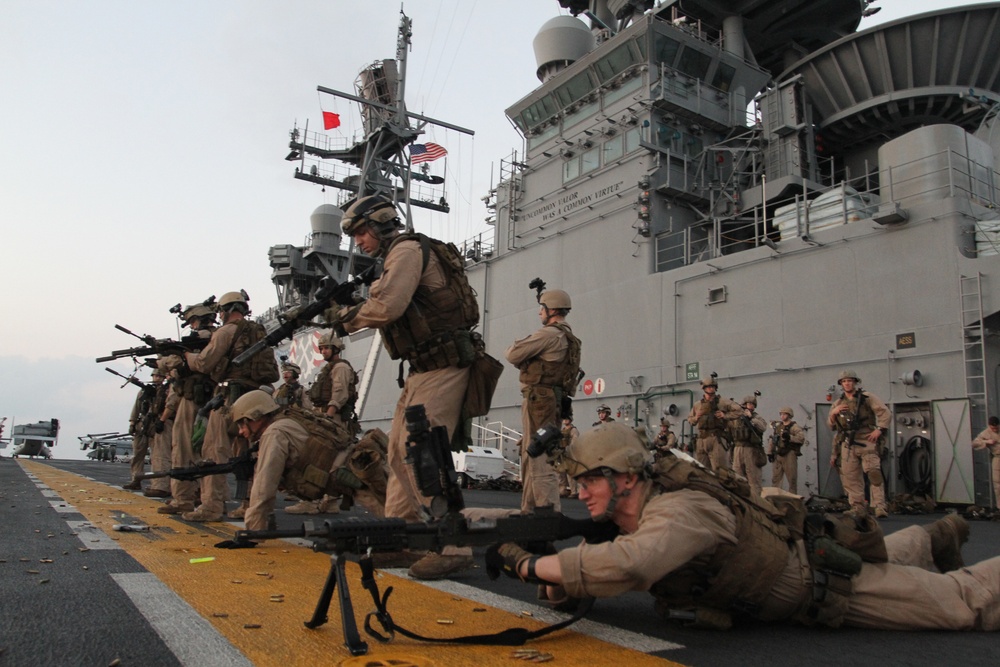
column 555, row 299
column 615, row 446
column 377, row 211
column 787, row 411
column 196, row 311
column 331, row 340
column 709, row 382
column 253, row 405
column 751, row 398
column 848, row 373
column 234, row 301
column 603, row 407
column 289, row 367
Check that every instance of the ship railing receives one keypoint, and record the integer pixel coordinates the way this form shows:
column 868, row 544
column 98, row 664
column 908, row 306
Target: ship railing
column 494, row 435
column 479, row 247
column 946, row 173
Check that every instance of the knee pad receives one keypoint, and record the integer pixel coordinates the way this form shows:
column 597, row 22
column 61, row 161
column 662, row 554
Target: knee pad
column 875, row 477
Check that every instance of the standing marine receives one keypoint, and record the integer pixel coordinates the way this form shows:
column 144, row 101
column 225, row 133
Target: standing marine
column 549, row 363
column 711, row 416
column 786, row 448
column 291, row 391
column 425, row 309
column 861, row 421
column 748, row 443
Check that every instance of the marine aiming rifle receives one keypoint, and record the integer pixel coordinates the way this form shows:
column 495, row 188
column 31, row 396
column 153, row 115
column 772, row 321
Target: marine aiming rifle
column 429, row 454
column 241, row 466
column 190, row 343
column 297, row 317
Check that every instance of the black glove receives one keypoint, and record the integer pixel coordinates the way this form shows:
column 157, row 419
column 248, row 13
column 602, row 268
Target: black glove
column 505, row 558
column 770, row 457
column 158, row 426
column 786, row 437
column 236, row 544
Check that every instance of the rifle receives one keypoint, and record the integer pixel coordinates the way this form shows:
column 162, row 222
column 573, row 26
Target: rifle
column 131, row 379
column 297, row 317
column 190, row 343
column 775, row 437
column 429, row 454
column 241, row 466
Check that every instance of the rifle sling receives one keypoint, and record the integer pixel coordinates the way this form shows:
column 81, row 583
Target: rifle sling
column 508, row 637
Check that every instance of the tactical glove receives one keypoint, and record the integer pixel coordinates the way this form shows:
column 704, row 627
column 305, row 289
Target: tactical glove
column 158, row 426
column 505, row 558
column 236, row 544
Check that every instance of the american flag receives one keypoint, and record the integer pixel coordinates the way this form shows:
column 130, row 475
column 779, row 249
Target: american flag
column 426, row 153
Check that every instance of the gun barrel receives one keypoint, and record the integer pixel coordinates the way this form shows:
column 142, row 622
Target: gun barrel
column 248, row 353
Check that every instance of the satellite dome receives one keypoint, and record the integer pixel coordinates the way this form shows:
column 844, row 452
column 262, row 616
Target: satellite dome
column 561, row 41
column 326, row 219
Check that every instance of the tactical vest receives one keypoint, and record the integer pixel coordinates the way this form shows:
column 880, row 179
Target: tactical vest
column 289, row 394
column 313, row 474
column 322, row 389
column 196, row 387
column 708, row 423
column 743, row 432
column 782, row 447
column 262, row 367
column 556, row 373
column 861, row 423
column 434, row 330
column 736, row 577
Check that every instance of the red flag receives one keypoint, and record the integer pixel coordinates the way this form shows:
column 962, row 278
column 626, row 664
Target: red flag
column 330, row 120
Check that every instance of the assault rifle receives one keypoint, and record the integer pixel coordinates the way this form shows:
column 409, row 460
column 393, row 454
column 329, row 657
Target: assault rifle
column 429, row 454
column 297, row 317
column 190, row 343
column 131, row 379
column 241, row 466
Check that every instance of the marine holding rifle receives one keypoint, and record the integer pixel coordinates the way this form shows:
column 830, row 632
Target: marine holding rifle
column 786, row 448
column 711, row 416
column 748, row 445
column 549, row 361
column 425, row 310
column 236, row 334
column 708, row 550
column 861, row 421
column 192, row 390
column 307, row 455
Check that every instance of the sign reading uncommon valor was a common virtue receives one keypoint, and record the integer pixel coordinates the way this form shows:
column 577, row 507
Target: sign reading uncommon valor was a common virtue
column 569, row 202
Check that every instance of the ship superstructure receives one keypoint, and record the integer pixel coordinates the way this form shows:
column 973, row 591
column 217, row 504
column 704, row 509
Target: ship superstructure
column 754, row 189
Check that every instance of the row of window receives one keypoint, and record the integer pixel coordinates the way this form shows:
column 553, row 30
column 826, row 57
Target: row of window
column 610, row 151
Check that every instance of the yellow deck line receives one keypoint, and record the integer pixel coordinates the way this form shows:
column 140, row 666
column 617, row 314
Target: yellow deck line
column 238, row 587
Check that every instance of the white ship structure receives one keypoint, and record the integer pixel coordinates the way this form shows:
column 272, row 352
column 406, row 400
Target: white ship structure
column 752, row 188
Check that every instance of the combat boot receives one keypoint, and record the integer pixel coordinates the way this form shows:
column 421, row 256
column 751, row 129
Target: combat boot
column 174, row 509
column 201, row 516
column 239, row 513
column 947, row 537
column 437, row 566
column 328, row 505
column 304, row 507
column 134, row 485
column 156, row 493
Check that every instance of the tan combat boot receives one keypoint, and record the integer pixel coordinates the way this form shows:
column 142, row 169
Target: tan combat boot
column 437, row 566
column 947, row 537
column 304, row 507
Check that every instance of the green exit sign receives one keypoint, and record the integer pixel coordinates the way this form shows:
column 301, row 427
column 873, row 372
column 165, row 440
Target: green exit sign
column 691, row 371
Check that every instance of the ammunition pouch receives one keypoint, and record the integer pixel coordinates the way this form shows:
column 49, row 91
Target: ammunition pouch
column 450, row 349
column 759, row 457
column 483, row 378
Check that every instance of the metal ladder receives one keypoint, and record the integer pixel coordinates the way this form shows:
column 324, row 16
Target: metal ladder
column 973, row 353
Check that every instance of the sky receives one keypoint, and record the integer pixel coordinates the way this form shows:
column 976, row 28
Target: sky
column 141, row 160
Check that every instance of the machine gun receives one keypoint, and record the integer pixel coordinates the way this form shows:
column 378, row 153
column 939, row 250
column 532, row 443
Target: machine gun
column 191, row 343
column 241, row 466
column 295, row 318
column 429, row 454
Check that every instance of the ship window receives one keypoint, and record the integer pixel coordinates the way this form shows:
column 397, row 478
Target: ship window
column 591, row 160
column 586, row 112
column 694, row 63
column 577, row 87
column 614, row 63
column 717, row 295
column 571, row 169
column 632, row 140
column 540, row 111
column 612, row 149
column 545, row 135
column 624, row 90
column 693, row 145
column 723, row 78
column 665, row 50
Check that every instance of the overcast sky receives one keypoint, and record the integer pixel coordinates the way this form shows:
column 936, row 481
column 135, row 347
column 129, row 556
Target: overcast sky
column 141, row 147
